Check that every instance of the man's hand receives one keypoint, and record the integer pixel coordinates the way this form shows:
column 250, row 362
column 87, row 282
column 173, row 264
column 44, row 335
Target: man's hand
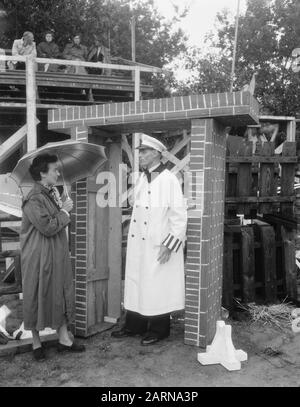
column 164, row 255
column 67, row 205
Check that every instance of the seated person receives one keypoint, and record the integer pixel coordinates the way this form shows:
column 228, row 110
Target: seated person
column 98, row 53
column 2, row 63
column 22, row 47
column 75, row 51
column 48, row 49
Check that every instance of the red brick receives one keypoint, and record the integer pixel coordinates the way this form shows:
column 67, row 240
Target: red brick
column 100, row 110
column 164, row 105
column 208, row 101
column 192, row 267
column 193, row 323
column 190, row 328
column 241, row 110
column 191, row 342
column 222, row 111
column 95, row 122
column 170, row 105
column 214, row 100
column 223, row 99
column 63, row 114
column 80, row 278
column 58, row 125
column 203, row 325
column 198, row 113
column 238, row 98
column 157, row 105
column 154, row 116
column 80, row 285
column 230, row 99
column 79, row 325
column 205, row 270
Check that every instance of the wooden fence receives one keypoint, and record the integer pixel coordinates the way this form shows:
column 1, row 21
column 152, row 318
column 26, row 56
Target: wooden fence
column 260, row 181
column 259, row 264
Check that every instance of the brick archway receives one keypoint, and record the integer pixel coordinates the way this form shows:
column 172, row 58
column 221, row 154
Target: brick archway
column 207, row 117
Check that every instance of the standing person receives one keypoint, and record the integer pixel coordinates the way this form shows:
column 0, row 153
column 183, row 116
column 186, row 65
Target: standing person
column 75, row 51
column 22, row 47
column 48, row 292
column 48, row 49
column 98, row 53
column 154, row 274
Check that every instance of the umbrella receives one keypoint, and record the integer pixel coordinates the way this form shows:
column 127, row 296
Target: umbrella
column 78, row 160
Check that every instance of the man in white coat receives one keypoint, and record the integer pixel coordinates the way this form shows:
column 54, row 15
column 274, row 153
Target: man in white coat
column 154, row 274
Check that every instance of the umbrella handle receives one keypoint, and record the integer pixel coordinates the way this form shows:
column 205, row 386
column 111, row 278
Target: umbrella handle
column 66, row 191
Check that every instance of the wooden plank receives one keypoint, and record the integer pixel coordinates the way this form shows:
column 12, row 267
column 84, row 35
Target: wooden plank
column 244, row 176
column 267, row 235
column 266, row 178
column 115, row 240
column 82, row 63
column 31, row 96
column 25, row 345
column 287, row 177
column 289, row 262
column 228, row 293
column 263, row 159
column 254, row 199
column 248, row 264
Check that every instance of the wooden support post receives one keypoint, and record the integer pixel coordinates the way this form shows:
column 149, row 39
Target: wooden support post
column 135, row 136
column 228, row 292
column 115, row 240
column 248, row 264
column 266, row 179
column 289, row 263
column 287, row 178
column 244, row 177
column 31, row 103
column 267, row 234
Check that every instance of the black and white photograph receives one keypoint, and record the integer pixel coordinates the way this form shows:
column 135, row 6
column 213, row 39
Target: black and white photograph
column 149, row 197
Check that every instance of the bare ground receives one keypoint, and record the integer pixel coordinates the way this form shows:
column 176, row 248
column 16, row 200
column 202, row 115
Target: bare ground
column 273, row 360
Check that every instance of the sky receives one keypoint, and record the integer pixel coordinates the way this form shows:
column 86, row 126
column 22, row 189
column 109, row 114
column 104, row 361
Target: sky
column 198, row 22
column 201, row 16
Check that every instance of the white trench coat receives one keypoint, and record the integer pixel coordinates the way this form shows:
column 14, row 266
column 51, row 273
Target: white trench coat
column 159, row 217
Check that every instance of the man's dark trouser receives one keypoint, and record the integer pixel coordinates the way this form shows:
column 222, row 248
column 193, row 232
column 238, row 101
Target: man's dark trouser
column 157, row 326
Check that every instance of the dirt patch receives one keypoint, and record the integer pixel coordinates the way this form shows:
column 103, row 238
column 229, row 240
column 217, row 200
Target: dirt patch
column 273, row 360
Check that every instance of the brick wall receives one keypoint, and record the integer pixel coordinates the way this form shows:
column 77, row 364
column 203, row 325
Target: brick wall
column 79, row 222
column 239, row 104
column 205, row 232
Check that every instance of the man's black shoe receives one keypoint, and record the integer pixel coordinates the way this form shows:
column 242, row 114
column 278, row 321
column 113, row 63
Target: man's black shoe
column 39, row 354
column 122, row 333
column 75, row 347
column 149, row 340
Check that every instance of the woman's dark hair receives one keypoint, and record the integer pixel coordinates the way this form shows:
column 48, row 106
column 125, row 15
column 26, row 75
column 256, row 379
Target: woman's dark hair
column 41, row 164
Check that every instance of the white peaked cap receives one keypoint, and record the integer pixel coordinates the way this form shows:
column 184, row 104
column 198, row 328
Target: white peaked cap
column 151, row 142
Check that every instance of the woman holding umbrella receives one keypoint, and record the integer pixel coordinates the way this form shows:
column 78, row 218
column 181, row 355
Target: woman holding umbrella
column 46, row 267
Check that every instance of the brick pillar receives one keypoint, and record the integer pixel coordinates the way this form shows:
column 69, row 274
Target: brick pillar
column 205, row 231
column 79, row 243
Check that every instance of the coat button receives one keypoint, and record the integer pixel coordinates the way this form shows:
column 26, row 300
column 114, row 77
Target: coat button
column 145, row 223
column 134, row 220
column 147, row 207
column 149, row 192
column 144, row 238
column 132, row 235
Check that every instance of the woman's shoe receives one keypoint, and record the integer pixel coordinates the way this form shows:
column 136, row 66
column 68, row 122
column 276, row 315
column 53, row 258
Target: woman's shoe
column 39, row 354
column 75, row 347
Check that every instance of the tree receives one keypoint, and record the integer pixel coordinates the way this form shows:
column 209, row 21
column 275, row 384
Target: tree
column 156, row 43
column 268, row 33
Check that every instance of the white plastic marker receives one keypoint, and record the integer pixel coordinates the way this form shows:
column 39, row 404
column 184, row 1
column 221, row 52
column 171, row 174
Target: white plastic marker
column 221, row 351
column 296, row 321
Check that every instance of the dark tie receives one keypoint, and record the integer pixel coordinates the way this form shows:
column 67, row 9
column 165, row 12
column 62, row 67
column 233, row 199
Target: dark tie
column 148, row 175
